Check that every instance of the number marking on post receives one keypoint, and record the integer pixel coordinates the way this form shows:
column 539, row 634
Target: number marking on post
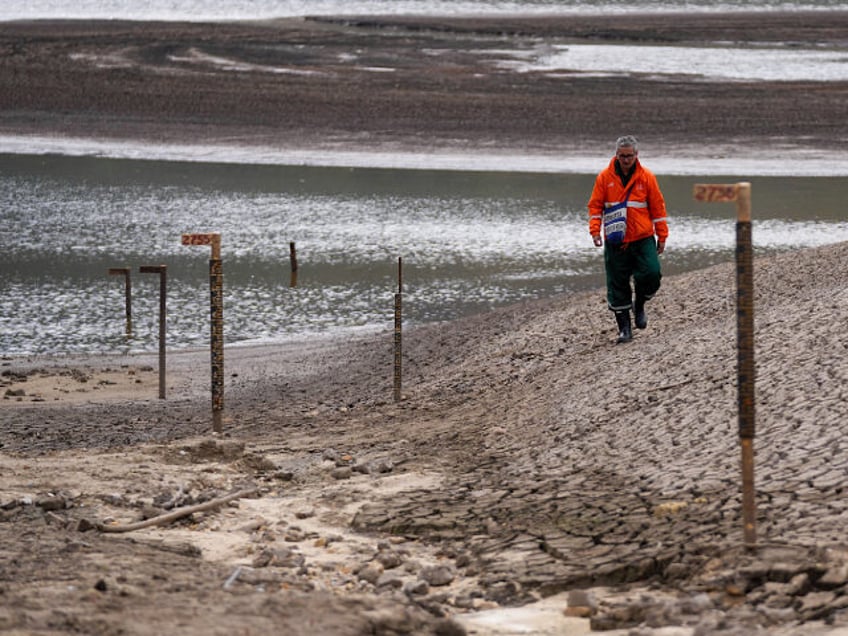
column 716, row 192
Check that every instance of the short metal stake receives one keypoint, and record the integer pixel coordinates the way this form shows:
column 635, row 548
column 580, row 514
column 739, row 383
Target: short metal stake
column 293, row 263
column 125, row 272
column 162, row 270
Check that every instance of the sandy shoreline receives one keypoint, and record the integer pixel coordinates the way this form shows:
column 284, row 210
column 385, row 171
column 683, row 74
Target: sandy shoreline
column 530, row 458
column 77, row 378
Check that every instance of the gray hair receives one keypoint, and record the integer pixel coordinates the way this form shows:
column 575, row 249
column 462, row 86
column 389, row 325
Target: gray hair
column 627, row 141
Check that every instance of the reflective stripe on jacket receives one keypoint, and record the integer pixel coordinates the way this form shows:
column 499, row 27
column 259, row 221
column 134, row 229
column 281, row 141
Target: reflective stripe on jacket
column 646, row 213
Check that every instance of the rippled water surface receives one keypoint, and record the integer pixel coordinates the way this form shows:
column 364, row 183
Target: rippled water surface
column 469, row 241
column 258, row 9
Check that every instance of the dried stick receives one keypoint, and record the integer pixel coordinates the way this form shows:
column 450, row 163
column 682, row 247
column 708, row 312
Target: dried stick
column 177, row 514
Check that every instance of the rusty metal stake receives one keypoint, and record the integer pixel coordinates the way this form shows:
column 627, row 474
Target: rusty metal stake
column 293, row 262
column 398, row 333
column 745, row 356
column 125, row 272
column 216, row 288
column 162, row 270
column 746, row 370
column 216, row 280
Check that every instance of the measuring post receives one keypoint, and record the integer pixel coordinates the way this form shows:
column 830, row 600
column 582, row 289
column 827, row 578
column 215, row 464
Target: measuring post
column 216, row 287
column 293, row 262
column 740, row 193
column 125, row 271
column 162, row 270
column 398, row 332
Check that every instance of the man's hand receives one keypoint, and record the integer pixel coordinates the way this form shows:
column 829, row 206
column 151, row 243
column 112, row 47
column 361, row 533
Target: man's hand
column 660, row 247
column 596, row 239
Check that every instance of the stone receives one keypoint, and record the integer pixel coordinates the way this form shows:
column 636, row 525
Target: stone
column 279, row 557
column 799, row 584
column 835, row 576
column 84, row 525
column 382, row 466
column 416, row 588
column 696, row 604
column 342, row 472
column 449, row 627
column 51, row 502
column 263, row 559
column 389, row 580
column 370, row 572
column 816, row 600
column 389, row 559
column 344, row 460
column 437, row 575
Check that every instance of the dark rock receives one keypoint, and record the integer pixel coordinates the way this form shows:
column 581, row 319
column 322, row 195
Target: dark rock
column 389, row 559
column 342, row 472
column 416, row 588
column 437, row 575
column 449, row 627
column 389, row 580
column 84, row 525
column 52, row 502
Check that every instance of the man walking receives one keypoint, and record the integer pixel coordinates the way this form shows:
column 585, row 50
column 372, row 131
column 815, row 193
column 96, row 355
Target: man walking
column 628, row 207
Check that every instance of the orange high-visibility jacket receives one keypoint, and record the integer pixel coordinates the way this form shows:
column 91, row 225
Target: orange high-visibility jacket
column 646, row 213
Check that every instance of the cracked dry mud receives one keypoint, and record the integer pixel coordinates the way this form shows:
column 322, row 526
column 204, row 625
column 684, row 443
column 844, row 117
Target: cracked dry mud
column 530, row 456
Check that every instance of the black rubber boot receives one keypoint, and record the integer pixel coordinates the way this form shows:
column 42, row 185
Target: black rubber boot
column 639, row 313
column 625, row 333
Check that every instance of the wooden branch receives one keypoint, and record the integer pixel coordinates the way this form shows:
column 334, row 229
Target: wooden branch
column 176, row 514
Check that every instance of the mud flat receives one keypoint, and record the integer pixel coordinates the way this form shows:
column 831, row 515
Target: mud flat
column 414, row 84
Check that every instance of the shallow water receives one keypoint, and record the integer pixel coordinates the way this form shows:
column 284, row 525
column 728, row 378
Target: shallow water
column 256, row 9
column 729, row 62
column 469, row 241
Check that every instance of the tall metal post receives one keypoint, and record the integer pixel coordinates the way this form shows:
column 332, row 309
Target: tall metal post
column 745, row 355
column 162, row 270
column 216, row 283
column 216, row 288
column 398, row 333
column 746, row 370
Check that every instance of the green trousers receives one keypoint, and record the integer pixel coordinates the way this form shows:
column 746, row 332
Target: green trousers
column 638, row 260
